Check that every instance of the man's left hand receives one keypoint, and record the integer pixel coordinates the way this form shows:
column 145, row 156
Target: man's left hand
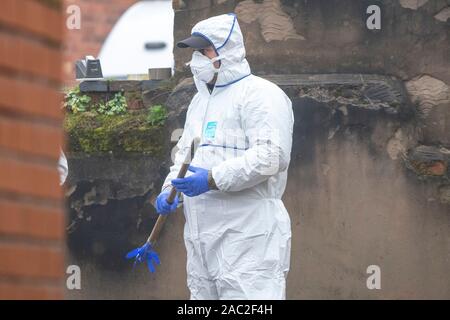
column 193, row 185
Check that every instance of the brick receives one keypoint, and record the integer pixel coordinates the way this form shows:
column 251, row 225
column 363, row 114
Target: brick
column 31, row 16
column 35, row 139
column 30, row 57
column 30, row 98
column 438, row 168
column 427, row 160
column 17, row 219
column 31, row 261
column 9, row 291
column 30, row 179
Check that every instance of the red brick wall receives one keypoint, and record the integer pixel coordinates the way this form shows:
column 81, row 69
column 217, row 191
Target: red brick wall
column 98, row 17
column 31, row 201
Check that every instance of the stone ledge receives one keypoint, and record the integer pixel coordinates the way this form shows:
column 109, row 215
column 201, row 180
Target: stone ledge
column 119, row 85
column 368, row 91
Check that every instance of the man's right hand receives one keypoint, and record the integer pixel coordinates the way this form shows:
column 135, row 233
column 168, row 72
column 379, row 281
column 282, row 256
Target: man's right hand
column 162, row 206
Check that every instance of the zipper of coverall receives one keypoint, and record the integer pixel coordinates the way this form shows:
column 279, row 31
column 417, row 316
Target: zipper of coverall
column 197, row 209
column 203, row 259
column 206, row 113
column 209, row 98
column 201, row 140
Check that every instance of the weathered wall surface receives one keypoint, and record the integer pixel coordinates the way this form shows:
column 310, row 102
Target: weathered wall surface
column 327, row 36
column 369, row 176
column 354, row 203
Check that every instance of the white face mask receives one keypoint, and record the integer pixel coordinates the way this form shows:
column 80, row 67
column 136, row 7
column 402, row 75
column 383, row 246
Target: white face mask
column 202, row 67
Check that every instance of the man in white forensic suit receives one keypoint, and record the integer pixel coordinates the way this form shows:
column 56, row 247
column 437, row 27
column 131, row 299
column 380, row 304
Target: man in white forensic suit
column 237, row 232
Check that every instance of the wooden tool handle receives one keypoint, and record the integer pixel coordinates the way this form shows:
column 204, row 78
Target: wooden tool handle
column 157, row 229
column 162, row 219
column 181, row 174
column 173, row 192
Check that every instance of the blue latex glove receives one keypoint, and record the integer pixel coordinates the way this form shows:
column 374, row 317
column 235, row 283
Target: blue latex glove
column 144, row 253
column 193, row 185
column 162, row 206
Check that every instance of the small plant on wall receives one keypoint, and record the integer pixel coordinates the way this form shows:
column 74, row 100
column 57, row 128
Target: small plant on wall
column 116, row 106
column 75, row 101
column 157, row 115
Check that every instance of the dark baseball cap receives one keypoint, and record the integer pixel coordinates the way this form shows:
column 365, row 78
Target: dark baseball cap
column 194, row 41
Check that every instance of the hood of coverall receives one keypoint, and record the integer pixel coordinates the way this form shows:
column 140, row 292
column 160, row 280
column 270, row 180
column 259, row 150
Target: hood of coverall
column 225, row 34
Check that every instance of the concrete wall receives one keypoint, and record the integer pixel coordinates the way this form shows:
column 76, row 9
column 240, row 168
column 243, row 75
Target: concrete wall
column 353, row 204
column 327, row 36
column 351, row 209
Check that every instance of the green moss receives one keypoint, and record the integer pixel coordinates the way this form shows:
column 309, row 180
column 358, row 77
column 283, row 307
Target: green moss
column 129, row 133
column 157, row 115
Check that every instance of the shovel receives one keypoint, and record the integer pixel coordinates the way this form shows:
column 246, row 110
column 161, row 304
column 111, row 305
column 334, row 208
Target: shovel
column 146, row 252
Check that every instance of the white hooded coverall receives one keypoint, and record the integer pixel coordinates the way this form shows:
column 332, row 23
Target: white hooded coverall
column 63, row 168
column 238, row 238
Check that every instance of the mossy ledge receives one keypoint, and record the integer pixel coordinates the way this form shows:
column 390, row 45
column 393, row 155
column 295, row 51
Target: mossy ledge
column 131, row 133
